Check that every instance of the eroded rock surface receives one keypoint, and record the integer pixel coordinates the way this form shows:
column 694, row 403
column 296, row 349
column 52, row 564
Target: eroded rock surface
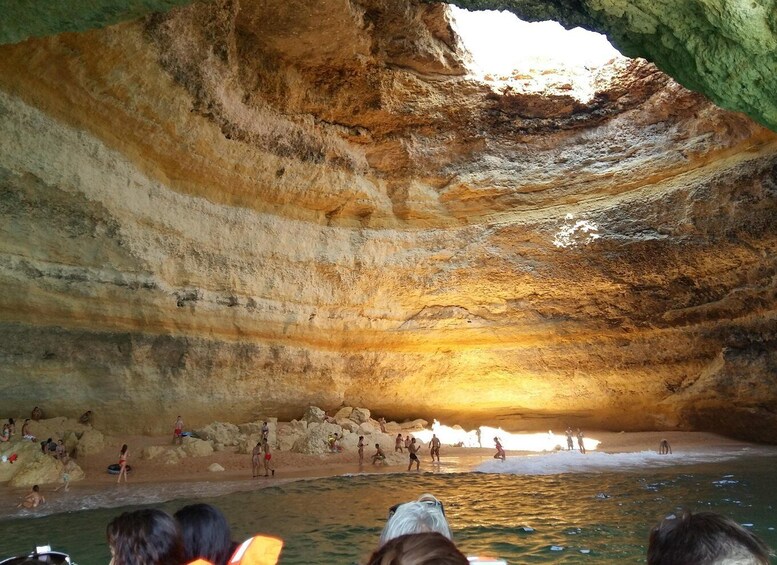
column 238, row 209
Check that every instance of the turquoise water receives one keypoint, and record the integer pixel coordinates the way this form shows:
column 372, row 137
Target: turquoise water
column 515, row 516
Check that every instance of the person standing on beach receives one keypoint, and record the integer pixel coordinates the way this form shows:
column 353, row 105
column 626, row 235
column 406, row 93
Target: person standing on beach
column 65, row 477
column 570, row 443
column 580, row 442
column 434, row 446
column 382, row 424
column 408, row 437
column 256, row 459
column 500, row 452
column 413, row 449
column 123, row 455
column 178, row 431
column 268, row 465
column 265, row 431
column 664, row 448
column 360, row 445
column 398, row 444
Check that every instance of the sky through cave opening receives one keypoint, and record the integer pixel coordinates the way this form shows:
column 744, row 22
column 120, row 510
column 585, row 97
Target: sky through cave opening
column 534, row 58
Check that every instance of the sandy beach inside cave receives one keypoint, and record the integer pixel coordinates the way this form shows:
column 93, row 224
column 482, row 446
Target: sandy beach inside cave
column 152, row 481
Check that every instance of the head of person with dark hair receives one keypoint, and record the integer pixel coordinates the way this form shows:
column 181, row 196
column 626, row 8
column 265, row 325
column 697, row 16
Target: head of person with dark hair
column 205, row 533
column 145, row 537
column 704, row 538
column 429, row 548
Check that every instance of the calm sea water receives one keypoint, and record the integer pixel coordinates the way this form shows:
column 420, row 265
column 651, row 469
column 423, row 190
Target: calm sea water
column 606, row 511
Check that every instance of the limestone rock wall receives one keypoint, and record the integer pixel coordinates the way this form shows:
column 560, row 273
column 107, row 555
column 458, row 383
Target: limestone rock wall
column 239, row 209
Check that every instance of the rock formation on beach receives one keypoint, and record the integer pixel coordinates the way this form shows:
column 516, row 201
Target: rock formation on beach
column 237, row 209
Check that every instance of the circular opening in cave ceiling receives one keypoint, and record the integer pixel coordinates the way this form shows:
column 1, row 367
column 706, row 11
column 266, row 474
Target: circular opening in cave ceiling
column 534, row 58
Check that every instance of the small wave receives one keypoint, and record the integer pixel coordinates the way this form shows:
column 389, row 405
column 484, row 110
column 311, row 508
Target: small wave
column 575, row 462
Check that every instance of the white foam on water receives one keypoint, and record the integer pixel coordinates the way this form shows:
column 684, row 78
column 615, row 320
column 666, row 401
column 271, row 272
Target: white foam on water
column 576, row 462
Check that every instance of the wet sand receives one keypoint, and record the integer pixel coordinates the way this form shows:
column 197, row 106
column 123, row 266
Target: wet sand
column 152, row 481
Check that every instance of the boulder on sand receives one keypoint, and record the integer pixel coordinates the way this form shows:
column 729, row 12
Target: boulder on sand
column 344, row 413
column 54, row 428
column 194, row 447
column 152, row 451
column 215, row 468
column 220, row 432
column 360, row 415
column 348, row 424
column 315, row 439
column 416, row 425
column 39, row 470
column 25, row 452
column 314, row 415
column 91, row 442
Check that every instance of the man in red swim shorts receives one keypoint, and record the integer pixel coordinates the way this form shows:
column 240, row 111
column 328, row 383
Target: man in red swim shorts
column 268, row 465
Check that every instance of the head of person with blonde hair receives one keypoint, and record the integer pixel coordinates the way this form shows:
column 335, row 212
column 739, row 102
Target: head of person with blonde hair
column 430, row 548
column 426, row 514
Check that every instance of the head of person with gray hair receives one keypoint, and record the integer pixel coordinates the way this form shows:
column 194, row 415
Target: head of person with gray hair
column 426, row 514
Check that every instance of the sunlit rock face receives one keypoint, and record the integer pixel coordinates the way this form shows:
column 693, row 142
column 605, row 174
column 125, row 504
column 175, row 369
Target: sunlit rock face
column 238, row 209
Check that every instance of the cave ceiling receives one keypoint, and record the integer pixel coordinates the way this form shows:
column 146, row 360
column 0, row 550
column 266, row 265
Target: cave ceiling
column 245, row 207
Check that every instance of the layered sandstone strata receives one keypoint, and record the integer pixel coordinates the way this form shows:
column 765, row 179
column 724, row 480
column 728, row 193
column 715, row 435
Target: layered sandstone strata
column 239, row 209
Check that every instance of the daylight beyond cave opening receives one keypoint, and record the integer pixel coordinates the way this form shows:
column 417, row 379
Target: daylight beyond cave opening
column 540, row 57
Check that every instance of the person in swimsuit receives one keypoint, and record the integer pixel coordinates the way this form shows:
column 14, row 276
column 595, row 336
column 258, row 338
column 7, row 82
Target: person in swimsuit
column 36, row 414
column 66, row 468
column 268, row 465
column 398, row 444
column 413, row 449
column 580, row 442
column 6, row 434
column 434, row 446
column 664, row 448
column 570, row 443
column 360, row 445
column 26, row 434
column 123, row 455
column 265, row 431
column 178, row 431
column 378, row 455
column 407, row 441
column 500, row 452
column 256, row 459
column 33, row 499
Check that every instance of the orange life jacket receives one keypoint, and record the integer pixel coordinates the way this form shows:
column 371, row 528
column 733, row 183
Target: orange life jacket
column 258, row 550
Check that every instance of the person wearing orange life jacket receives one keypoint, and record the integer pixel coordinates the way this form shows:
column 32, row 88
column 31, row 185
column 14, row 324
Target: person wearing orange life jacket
column 258, row 550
